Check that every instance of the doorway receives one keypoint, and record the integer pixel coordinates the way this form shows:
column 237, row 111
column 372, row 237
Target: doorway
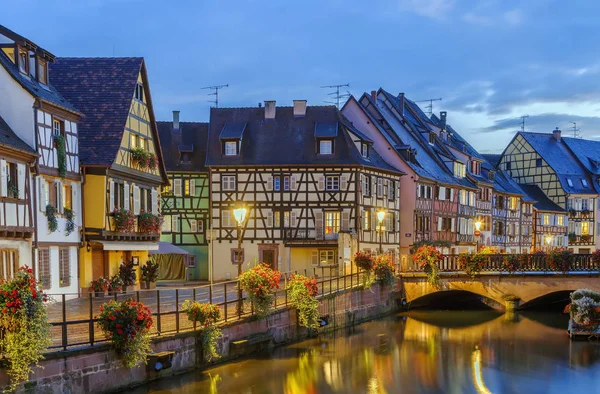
column 98, row 268
column 269, row 254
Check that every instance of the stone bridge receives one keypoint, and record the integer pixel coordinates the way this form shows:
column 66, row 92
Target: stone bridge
column 528, row 286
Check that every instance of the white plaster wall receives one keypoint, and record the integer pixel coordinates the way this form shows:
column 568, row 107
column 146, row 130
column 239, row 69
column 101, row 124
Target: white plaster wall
column 55, row 290
column 16, row 108
column 42, row 222
column 24, row 248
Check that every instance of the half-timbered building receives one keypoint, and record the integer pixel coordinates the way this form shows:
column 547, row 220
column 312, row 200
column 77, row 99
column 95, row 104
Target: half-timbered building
column 312, row 184
column 45, row 120
column 185, row 202
column 550, row 221
column 545, row 160
column 120, row 158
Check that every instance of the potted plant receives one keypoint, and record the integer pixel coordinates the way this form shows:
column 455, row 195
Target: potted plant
column 384, row 270
column 126, row 325
column 206, row 315
column 260, row 283
column 12, row 191
column 99, row 286
column 584, row 310
column 302, row 294
column 572, row 212
column 427, row 257
column 124, row 221
column 127, row 274
column 572, row 238
column 149, row 275
column 364, row 261
column 115, row 284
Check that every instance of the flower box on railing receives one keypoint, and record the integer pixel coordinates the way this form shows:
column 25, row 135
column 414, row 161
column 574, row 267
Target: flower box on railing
column 144, row 159
column 124, row 220
column 149, row 223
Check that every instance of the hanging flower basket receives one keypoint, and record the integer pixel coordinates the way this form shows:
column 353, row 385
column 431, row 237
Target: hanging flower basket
column 260, row 283
column 149, row 223
column 144, row 159
column 124, row 221
column 302, row 294
column 427, row 257
column 384, row 270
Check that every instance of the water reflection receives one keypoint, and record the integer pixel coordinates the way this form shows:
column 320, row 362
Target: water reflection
column 424, row 352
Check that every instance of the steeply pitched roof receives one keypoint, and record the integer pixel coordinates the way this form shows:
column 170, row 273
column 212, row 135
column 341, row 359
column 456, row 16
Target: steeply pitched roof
column 493, row 159
column 286, row 140
column 45, row 93
column 558, row 156
column 193, row 135
column 10, row 139
column 587, row 151
column 102, row 88
column 542, row 202
column 503, row 183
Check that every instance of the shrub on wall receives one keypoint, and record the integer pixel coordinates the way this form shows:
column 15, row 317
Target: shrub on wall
column 70, row 225
column 260, row 283
column 24, row 323
column 427, row 257
column 144, row 159
column 384, row 270
column 149, row 223
column 302, row 294
column 52, row 220
column 61, row 155
column 126, row 325
column 206, row 315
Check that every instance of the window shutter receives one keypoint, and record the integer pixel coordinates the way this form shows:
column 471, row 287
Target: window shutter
column 111, row 195
column 4, row 179
column 321, row 183
column 174, row 223
column 418, row 191
column 293, row 183
column 136, row 200
column 314, row 258
column 193, row 226
column 166, row 224
column 343, row 182
column 21, row 180
column 59, row 197
column 439, row 224
column 74, row 201
column 292, row 219
column 452, row 195
column 345, row 221
column 452, row 222
column 319, row 225
column 269, row 183
column 442, row 193
column 373, row 186
column 374, row 220
column 127, row 198
column 177, row 187
column 192, row 187
column 270, row 219
column 578, row 228
column 154, row 202
column 42, row 197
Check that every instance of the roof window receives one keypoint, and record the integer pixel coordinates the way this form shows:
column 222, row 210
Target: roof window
column 584, row 183
column 569, row 182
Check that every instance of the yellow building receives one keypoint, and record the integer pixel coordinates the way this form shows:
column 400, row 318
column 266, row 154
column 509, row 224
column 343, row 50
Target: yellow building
column 120, row 157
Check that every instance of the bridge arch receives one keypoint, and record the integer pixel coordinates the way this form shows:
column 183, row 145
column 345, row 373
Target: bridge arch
column 452, row 299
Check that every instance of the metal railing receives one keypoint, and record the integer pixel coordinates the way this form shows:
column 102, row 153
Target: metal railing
column 74, row 320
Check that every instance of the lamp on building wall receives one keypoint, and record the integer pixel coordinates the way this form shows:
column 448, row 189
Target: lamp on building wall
column 477, row 234
column 380, row 218
column 548, row 239
column 239, row 213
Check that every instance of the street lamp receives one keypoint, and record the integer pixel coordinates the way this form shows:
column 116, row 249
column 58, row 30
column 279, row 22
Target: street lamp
column 477, row 234
column 380, row 217
column 548, row 240
column 239, row 214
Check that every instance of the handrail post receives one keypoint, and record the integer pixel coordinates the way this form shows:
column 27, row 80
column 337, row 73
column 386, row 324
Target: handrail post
column 177, row 310
column 210, row 293
column 64, row 322
column 225, row 299
column 158, row 325
column 91, row 304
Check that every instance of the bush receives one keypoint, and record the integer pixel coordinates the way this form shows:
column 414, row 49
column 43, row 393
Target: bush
column 384, row 270
column 365, row 262
column 99, row 285
column 127, row 273
column 259, row 283
column 150, row 272
column 25, row 325
column 302, row 294
column 584, row 308
column 559, row 259
column 207, row 315
column 511, row 263
column 127, row 325
column 427, row 258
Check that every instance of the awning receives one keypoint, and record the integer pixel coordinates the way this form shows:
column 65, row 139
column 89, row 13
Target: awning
column 168, row 248
column 113, row 245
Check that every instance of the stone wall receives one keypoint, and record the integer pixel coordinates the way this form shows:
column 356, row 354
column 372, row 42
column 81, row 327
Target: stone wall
column 98, row 370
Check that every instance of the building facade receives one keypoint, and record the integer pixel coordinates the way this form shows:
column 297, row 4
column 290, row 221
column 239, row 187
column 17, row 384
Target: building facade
column 185, row 202
column 312, row 185
column 120, row 157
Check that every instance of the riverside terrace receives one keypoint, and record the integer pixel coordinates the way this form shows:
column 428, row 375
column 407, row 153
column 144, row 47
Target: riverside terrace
column 74, row 320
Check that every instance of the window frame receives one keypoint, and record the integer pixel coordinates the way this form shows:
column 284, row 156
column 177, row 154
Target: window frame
column 227, row 148
column 335, row 179
column 42, row 69
column 323, row 143
column 328, row 262
column 44, row 268
column 64, row 254
column 23, row 64
column 227, row 180
column 139, row 92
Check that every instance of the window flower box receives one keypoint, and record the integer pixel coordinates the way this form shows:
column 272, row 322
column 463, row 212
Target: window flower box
column 144, row 159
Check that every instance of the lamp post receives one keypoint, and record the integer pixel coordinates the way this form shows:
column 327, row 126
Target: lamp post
column 239, row 214
column 477, row 234
column 548, row 239
column 380, row 217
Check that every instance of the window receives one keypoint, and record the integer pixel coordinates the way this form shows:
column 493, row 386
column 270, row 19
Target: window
column 145, row 200
column 327, row 257
column 276, row 219
column 475, row 167
column 175, row 224
column 332, row 183
column 119, row 196
column 286, row 183
column 57, row 127
column 364, row 150
column 326, row 147
column 391, row 190
column 332, row 222
column 585, row 228
column 431, row 138
column 9, row 263
column 44, row 271
column 286, row 219
column 191, row 261
column 139, row 92
column 538, row 162
column 67, row 197
column 228, row 182
column 276, row 183
column 423, row 223
column 569, row 182
column 379, row 187
column 193, row 226
column 507, row 166
column 52, row 193
column 186, row 187
column 584, row 183
column 390, row 222
column 513, row 202
column 366, row 220
column 546, row 219
column 134, row 141
column 366, row 186
column 231, row 148
column 64, row 267
column 23, row 61
column 560, row 220
column 459, row 169
column 200, row 226
column 42, row 71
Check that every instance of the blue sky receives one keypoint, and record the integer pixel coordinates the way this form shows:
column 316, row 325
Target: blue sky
column 491, row 61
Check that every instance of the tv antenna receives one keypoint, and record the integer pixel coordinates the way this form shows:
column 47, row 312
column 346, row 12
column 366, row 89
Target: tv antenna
column 523, row 122
column 336, row 95
column 215, row 93
column 429, row 107
column 576, row 130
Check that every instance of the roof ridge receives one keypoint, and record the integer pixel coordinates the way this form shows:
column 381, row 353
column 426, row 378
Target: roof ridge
column 99, row 57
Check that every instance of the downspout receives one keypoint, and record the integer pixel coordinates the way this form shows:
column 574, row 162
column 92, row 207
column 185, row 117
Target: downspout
column 210, row 229
column 35, row 195
column 83, row 240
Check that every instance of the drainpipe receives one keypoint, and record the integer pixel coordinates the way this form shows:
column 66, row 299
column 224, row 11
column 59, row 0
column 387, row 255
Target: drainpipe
column 35, row 195
column 83, row 240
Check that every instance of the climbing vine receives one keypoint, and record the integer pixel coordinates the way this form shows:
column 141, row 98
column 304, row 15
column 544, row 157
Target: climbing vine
column 70, row 225
column 206, row 315
column 61, row 155
column 302, row 294
column 52, row 220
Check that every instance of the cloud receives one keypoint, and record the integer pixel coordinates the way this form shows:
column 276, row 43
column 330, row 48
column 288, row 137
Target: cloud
column 513, row 17
column 475, row 19
column 546, row 122
column 435, row 9
column 483, row 16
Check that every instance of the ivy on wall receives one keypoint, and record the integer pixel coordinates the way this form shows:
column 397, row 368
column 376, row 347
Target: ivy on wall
column 61, row 154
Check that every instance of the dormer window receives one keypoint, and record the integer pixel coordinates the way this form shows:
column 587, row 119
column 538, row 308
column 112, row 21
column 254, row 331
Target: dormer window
column 364, row 150
column 475, row 167
column 231, row 148
column 431, row 139
column 325, row 147
column 584, row 183
column 570, row 182
column 139, row 92
column 23, row 63
column 459, row 169
column 42, row 71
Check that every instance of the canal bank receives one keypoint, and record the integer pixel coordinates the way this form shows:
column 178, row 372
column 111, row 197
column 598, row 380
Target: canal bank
column 98, row 370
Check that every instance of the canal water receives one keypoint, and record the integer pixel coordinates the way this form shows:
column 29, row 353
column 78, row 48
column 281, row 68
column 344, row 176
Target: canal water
column 416, row 352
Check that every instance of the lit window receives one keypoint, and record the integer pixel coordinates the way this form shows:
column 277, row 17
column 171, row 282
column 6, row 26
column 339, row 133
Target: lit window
column 186, row 187
column 459, row 169
column 546, row 219
column 139, row 92
column 327, row 257
column 367, row 221
column 560, row 220
column 67, row 193
column 42, row 71
column 332, row 222
column 584, row 183
column 585, row 228
column 569, row 182
column 332, row 183
column 325, row 147
column 230, row 148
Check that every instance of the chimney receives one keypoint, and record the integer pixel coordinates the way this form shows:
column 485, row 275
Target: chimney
column 556, row 134
column 270, row 109
column 175, row 120
column 401, row 98
column 443, row 119
column 299, row 108
column 374, row 95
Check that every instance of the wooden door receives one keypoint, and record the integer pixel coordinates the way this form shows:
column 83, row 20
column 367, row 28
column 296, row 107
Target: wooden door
column 98, row 268
column 269, row 258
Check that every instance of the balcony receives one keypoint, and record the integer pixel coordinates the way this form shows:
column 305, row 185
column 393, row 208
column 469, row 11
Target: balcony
column 466, row 210
column 137, row 228
column 14, row 218
column 584, row 214
column 304, row 236
column 581, row 240
column 465, row 239
column 484, row 205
